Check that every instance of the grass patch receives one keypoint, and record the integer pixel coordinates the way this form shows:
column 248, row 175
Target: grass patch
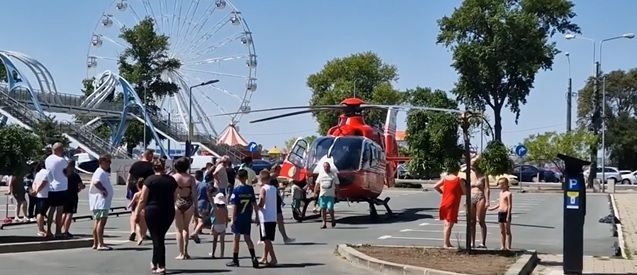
column 479, row 262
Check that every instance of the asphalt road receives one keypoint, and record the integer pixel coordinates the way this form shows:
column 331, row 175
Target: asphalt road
column 537, row 224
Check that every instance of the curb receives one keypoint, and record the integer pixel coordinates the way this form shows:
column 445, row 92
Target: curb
column 45, row 245
column 618, row 227
column 524, row 265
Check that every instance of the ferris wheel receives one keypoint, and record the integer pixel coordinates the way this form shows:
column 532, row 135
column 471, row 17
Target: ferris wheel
column 211, row 40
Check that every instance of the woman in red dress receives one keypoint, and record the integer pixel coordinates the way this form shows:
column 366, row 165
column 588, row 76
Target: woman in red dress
column 451, row 189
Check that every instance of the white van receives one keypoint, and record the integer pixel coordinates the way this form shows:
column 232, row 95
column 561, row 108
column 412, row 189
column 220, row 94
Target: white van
column 199, row 162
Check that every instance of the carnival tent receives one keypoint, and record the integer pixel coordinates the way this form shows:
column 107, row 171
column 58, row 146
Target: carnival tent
column 232, row 137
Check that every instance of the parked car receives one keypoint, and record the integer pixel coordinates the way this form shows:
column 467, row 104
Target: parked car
column 401, row 171
column 493, row 180
column 628, row 177
column 610, row 173
column 530, row 173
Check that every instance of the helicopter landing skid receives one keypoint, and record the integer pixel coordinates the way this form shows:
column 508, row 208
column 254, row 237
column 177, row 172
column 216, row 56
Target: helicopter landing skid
column 373, row 214
column 299, row 213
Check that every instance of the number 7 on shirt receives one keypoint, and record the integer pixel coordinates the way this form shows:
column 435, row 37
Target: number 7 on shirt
column 244, row 204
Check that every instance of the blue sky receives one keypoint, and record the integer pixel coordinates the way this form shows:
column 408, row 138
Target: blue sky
column 294, row 39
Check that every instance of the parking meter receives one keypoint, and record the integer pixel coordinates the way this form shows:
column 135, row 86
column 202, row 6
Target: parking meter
column 574, row 214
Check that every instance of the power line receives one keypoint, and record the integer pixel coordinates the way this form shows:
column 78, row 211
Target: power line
column 536, row 128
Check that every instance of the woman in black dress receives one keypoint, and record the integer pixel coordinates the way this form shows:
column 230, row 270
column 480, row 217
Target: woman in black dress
column 158, row 202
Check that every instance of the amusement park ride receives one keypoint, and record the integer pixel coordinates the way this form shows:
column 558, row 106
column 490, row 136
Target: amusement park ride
column 364, row 157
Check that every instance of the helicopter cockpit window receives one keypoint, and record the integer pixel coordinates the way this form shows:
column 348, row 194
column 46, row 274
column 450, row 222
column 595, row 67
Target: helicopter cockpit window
column 367, row 156
column 347, row 153
column 297, row 153
column 319, row 149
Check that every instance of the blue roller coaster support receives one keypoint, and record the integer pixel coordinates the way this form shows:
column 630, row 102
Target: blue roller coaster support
column 131, row 100
column 16, row 80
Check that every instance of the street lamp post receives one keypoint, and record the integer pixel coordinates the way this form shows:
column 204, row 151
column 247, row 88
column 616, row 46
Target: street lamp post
column 168, row 112
column 569, row 95
column 596, row 71
column 145, row 110
column 190, row 126
column 601, row 46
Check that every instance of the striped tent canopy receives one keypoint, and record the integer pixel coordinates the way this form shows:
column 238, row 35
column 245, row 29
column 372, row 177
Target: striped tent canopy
column 231, row 137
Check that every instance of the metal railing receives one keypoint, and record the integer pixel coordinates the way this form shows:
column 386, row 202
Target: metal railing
column 24, row 114
column 22, row 96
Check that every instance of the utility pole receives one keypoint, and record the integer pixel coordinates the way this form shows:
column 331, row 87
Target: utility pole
column 569, row 96
column 596, row 119
column 145, row 110
column 464, row 123
column 169, row 139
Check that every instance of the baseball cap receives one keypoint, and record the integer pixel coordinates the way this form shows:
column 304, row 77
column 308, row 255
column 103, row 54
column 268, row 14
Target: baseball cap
column 220, row 198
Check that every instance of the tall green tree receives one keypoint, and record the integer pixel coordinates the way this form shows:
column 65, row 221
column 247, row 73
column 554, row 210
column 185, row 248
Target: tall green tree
column 621, row 115
column 135, row 135
column 621, row 142
column 144, row 61
column 543, row 148
column 49, row 132
column 17, row 146
column 363, row 75
column 498, row 48
column 621, row 96
column 142, row 64
column 432, row 136
column 495, row 159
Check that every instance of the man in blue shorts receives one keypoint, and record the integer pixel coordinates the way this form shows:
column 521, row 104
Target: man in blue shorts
column 327, row 185
column 244, row 202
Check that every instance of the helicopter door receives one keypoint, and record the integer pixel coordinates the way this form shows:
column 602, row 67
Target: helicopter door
column 293, row 167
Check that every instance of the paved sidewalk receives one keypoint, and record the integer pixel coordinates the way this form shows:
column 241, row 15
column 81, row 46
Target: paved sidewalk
column 626, row 204
column 627, row 208
column 551, row 264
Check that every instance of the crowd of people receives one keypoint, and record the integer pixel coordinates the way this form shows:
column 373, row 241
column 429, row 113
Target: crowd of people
column 52, row 188
column 452, row 188
column 160, row 197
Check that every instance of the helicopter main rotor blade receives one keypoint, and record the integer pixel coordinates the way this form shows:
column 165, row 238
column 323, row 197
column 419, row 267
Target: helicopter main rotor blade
column 317, row 107
column 408, row 108
column 289, row 114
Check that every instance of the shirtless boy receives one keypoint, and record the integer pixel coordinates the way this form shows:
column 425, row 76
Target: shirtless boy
column 504, row 206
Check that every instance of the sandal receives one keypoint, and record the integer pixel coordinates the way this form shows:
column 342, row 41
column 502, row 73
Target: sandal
column 104, row 248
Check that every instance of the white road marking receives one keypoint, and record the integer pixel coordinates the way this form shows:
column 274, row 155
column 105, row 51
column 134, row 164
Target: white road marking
column 413, row 238
column 424, row 223
column 432, row 231
column 463, row 223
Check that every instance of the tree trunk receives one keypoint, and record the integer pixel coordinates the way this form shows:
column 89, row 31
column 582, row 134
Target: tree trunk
column 497, row 117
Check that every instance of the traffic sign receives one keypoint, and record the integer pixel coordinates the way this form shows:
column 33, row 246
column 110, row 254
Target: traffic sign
column 252, row 147
column 521, row 150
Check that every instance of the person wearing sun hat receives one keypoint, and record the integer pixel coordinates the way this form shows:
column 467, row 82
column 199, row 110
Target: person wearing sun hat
column 219, row 220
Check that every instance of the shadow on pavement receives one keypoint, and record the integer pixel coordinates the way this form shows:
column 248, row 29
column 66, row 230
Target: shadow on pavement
column 195, row 271
column 303, row 243
column 138, row 248
column 34, row 238
column 218, row 258
column 407, row 215
column 299, row 265
column 518, row 224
